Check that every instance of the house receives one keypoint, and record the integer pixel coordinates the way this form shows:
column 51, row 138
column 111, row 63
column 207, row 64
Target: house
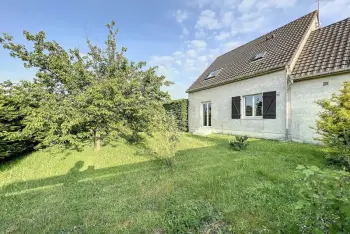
column 267, row 88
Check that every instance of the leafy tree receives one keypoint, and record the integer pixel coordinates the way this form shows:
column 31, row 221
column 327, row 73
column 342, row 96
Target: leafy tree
column 333, row 124
column 99, row 95
column 15, row 104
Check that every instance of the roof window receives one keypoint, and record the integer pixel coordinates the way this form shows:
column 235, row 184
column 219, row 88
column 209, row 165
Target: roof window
column 213, row 74
column 259, row 56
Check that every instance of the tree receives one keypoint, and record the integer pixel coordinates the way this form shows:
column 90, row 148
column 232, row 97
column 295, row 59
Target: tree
column 94, row 96
column 15, row 104
column 333, row 124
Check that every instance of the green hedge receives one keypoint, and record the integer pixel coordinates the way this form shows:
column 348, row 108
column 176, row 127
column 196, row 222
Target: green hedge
column 179, row 108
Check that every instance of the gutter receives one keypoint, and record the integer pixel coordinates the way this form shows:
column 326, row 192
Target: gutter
column 323, row 74
column 279, row 68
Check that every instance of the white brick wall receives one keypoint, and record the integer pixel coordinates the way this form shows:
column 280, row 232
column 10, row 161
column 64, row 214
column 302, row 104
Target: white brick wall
column 305, row 110
column 220, row 98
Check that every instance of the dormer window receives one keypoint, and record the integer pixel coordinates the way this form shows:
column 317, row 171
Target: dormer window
column 259, row 56
column 213, row 74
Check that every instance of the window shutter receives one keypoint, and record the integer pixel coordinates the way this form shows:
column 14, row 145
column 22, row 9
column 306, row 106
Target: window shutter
column 269, row 105
column 236, row 107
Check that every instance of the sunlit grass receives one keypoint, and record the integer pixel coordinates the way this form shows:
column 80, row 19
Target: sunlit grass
column 122, row 189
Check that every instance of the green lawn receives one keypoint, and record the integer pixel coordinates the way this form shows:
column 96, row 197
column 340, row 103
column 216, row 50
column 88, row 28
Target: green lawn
column 121, row 189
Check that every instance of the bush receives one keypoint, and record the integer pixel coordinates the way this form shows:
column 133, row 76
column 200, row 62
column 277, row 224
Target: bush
column 324, row 201
column 333, row 126
column 166, row 138
column 239, row 143
column 179, row 108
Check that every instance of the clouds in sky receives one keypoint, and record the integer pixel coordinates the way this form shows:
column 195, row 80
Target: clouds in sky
column 211, row 28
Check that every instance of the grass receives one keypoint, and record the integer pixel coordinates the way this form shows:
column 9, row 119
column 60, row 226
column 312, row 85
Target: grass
column 121, row 189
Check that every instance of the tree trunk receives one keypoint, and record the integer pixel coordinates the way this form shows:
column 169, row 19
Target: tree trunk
column 97, row 140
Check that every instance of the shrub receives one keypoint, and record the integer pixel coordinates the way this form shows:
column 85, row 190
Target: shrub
column 179, row 108
column 324, row 201
column 239, row 143
column 333, row 126
column 166, row 138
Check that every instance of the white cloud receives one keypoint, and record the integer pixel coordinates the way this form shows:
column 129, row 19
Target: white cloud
column 222, row 36
column 258, row 24
column 335, row 10
column 185, row 32
column 181, row 16
column 208, row 20
column 230, row 46
column 191, row 53
column 227, row 18
column 199, row 44
column 217, row 4
column 201, row 34
column 246, row 5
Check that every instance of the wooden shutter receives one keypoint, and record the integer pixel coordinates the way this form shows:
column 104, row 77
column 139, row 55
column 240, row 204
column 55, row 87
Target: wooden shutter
column 269, row 105
column 236, row 107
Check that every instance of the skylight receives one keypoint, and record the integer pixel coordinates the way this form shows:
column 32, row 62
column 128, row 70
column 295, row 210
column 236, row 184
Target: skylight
column 259, row 56
column 213, row 74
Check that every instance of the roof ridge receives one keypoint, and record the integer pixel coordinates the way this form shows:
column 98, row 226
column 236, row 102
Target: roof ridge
column 264, row 35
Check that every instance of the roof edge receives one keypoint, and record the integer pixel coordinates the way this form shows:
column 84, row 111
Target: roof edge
column 306, row 38
column 322, row 74
column 274, row 69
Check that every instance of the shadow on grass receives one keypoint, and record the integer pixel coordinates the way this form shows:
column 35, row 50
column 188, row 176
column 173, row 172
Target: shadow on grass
column 132, row 198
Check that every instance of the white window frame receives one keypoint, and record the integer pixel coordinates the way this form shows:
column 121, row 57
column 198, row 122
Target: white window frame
column 202, row 113
column 254, row 107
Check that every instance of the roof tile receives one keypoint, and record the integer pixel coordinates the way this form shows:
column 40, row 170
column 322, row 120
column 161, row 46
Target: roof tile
column 328, row 46
column 237, row 63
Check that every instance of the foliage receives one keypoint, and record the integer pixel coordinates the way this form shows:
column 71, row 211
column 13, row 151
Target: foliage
column 93, row 96
column 239, row 143
column 179, row 108
column 333, row 125
column 324, row 201
column 15, row 106
column 166, row 137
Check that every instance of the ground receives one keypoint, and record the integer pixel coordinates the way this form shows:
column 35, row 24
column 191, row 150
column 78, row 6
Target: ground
column 121, row 189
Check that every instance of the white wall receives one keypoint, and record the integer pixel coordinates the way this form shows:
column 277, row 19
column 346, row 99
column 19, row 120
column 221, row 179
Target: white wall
column 305, row 110
column 220, row 98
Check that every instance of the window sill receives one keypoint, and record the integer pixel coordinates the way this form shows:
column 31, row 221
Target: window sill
column 252, row 118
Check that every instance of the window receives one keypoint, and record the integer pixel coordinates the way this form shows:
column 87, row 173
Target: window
column 207, row 114
column 253, row 105
column 213, row 74
column 259, row 56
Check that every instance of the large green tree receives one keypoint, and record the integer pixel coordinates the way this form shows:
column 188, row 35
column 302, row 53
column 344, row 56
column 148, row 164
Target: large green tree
column 15, row 106
column 98, row 95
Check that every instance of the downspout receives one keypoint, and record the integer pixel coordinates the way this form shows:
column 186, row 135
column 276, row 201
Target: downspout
column 288, row 132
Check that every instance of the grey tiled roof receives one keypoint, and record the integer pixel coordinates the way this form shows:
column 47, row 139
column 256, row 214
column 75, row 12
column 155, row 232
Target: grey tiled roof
column 327, row 50
column 237, row 63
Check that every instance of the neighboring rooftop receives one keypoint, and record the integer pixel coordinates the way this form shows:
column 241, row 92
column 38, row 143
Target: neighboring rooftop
column 269, row 52
column 327, row 50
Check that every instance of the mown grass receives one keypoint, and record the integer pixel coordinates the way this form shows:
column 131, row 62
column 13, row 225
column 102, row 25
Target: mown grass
column 121, row 189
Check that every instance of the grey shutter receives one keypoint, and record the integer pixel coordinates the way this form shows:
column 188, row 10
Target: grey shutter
column 236, row 107
column 269, row 105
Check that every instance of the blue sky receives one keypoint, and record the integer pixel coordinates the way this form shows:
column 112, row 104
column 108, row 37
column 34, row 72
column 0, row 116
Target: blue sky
column 181, row 37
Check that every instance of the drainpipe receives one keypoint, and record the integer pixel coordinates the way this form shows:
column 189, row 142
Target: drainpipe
column 288, row 136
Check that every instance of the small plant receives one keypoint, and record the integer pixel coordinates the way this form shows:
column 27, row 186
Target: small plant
column 239, row 143
column 324, row 200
